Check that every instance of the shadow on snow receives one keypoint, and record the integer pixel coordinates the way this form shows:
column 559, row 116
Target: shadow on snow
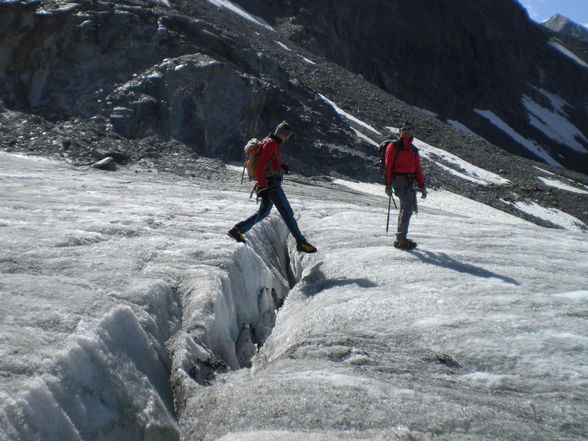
column 445, row 261
column 316, row 281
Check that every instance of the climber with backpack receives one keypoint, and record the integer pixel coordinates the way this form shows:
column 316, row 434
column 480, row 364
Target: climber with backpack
column 265, row 166
column 403, row 173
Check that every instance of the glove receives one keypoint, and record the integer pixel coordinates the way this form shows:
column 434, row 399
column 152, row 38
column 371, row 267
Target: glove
column 260, row 191
column 388, row 190
column 423, row 191
column 285, row 168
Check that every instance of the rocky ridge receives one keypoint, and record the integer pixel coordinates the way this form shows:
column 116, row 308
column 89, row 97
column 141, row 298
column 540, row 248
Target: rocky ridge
column 471, row 62
column 560, row 24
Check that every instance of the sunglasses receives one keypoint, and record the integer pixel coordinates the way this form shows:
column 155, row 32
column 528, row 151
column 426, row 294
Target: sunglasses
column 406, row 129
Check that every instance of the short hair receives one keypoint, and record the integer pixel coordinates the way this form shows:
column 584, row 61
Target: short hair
column 284, row 129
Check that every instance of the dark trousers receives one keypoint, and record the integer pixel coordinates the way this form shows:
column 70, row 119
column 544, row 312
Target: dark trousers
column 274, row 196
column 406, row 193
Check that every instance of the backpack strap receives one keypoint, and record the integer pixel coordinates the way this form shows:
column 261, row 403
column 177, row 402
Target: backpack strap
column 397, row 147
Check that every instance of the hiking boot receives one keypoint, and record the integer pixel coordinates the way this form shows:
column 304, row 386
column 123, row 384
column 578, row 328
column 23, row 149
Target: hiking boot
column 405, row 244
column 411, row 242
column 305, row 247
column 236, row 234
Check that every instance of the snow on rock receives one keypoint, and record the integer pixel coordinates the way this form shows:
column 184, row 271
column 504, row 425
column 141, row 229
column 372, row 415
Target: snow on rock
column 364, row 137
column 555, row 125
column 530, row 145
column 236, row 9
column 564, row 50
column 553, row 215
column 462, row 127
column 427, row 112
column 557, row 103
column 348, row 116
column 283, row 46
column 561, row 185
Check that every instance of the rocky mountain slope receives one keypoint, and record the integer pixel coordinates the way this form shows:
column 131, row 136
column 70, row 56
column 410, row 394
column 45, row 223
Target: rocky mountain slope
column 571, row 35
column 559, row 23
column 181, row 86
column 483, row 64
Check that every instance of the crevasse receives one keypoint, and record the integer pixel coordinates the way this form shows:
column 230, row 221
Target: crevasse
column 128, row 376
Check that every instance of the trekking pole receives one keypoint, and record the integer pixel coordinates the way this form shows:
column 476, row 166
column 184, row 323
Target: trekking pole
column 388, row 220
column 243, row 172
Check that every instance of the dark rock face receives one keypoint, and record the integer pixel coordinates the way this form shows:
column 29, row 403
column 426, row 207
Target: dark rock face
column 451, row 58
column 145, row 70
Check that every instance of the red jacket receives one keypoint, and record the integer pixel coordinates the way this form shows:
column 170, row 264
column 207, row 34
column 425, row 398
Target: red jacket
column 268, row 163
column 407, row 161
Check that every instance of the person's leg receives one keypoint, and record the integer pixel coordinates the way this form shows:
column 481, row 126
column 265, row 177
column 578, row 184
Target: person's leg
column 404, row 191
column 279, row 199
column 264, row 210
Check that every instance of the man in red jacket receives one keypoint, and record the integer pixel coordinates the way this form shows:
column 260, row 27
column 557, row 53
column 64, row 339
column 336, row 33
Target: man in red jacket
column 269, row 170
column 403, row 171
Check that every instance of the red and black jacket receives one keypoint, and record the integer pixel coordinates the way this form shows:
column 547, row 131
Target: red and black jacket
column 403, row 161
column 268, row 164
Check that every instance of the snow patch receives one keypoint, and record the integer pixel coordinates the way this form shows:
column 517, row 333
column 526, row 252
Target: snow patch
column 364, row 137
column 236, row 9
column 557, row 102
column 560, row 185
column 544, row 171
column 463, row 128
column 555, row 124
column 530, row 145
column 348, row 116
column 283, row 46
column 428, row 112
column 552, row 215
column 564, row 50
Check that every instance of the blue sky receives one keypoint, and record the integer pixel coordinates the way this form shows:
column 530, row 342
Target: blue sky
column 541, row 10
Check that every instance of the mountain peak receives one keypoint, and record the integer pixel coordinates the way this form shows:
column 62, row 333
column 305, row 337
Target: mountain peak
column 560, row 23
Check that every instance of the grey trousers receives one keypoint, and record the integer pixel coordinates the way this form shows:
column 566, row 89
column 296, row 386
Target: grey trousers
column 406, row 193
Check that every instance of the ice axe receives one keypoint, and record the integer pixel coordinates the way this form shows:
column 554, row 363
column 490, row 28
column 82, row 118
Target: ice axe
column 389, row 204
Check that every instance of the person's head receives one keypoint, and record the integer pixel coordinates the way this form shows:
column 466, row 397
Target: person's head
column 406, row 130
column 283, row 131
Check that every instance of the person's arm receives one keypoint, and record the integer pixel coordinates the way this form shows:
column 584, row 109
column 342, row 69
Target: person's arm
column 389, row 159
column 419, row 172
